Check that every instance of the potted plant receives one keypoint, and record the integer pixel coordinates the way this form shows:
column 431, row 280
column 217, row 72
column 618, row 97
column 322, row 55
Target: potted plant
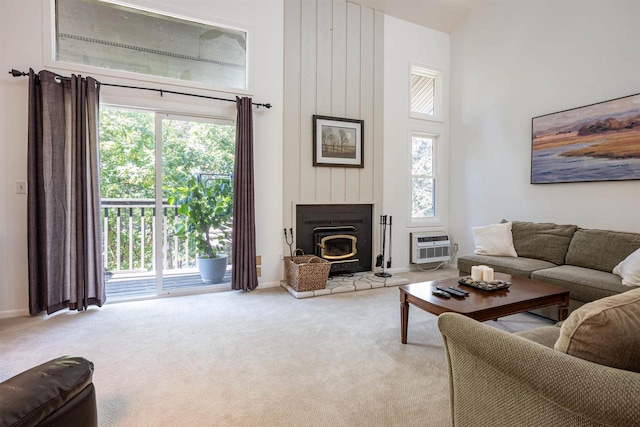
column 206, row 206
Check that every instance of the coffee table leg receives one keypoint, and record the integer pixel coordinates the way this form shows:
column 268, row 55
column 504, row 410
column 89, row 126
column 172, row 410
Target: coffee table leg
column 404, row 316
column 563, row 309
column 563, row 312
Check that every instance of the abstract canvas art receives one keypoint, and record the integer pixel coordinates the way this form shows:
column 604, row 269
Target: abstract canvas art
column 597, row 142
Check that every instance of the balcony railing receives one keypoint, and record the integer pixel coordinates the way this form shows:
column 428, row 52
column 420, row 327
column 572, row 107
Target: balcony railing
column 129, row 236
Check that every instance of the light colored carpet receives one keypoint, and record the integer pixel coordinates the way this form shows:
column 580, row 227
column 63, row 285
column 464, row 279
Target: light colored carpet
column 254, row 359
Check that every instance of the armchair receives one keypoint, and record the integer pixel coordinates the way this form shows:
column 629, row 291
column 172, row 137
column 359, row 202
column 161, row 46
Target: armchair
column 501, row 379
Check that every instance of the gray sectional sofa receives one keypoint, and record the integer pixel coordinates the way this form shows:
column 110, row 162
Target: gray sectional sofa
column 578, row 259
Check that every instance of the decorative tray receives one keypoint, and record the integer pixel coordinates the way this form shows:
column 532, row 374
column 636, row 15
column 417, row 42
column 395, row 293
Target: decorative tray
column 484, row 286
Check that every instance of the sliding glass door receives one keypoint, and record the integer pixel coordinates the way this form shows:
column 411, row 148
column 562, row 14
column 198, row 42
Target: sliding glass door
column 157, row 172
column 197, row 164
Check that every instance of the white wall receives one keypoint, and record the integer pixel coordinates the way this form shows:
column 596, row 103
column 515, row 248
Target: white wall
column 405, row 44
column 512, row 61
column 21, row 47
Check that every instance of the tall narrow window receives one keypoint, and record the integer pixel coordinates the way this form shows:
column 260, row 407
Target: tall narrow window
column 107, row 35
column 426, row 93
column 423, row 182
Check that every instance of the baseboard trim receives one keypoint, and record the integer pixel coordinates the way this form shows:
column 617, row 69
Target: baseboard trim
column 269, row 285
column 13, row 313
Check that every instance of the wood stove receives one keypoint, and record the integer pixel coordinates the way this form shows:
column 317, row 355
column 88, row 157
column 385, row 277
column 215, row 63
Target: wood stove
column 336, row 243
column 341, row 234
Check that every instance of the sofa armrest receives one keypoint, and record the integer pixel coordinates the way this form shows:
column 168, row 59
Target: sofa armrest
column 500, row 379
column 50, row 394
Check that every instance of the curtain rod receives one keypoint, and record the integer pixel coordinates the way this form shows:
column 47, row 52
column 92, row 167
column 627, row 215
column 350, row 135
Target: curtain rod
column 16, row 73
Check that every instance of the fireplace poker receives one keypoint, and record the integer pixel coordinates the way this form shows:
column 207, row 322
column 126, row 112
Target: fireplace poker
column 390, row 241
column 286, row 239
column 384, row 238
column 384, row 243
column 380, row 257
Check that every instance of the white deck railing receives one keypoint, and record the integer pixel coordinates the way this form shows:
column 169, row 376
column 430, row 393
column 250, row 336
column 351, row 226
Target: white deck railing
column 129, row 236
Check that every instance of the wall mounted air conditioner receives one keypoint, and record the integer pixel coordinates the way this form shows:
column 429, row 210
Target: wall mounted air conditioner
column 429, row 247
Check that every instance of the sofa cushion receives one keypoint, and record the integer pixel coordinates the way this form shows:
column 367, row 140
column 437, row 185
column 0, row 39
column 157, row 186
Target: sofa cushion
column 544, row 335
column 629, row 269
column 494, row 239
column 584, row 284
column 600, row 249
column 545, row 241
column 605, row 332
column 517, row 266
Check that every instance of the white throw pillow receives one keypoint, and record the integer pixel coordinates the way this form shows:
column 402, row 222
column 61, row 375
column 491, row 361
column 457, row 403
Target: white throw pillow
column 494, row 239
column 629, row 269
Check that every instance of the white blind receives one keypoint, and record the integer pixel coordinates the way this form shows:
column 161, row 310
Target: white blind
column 423, row 94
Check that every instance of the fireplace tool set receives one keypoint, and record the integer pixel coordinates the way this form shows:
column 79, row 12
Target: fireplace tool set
column 380, row 262
column 286, row 239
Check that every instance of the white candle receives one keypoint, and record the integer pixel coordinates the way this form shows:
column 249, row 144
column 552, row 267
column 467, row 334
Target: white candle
column 487, row 274
column 476, row 273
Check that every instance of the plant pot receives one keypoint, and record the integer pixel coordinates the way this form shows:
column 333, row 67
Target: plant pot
column 212, row 269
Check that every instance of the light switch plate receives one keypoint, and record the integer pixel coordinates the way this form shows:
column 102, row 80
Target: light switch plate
column 21, row 187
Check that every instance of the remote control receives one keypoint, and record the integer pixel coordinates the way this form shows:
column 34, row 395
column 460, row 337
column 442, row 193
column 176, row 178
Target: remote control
column 458, row 290
column 451, row 291
column 440, row 293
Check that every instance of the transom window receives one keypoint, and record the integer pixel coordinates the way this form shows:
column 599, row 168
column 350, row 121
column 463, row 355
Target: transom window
column 426, row 93
column 423, row 180
column 113, row 36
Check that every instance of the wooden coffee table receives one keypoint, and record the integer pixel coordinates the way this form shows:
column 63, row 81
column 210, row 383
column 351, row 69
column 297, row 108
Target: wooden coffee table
column 523, row 295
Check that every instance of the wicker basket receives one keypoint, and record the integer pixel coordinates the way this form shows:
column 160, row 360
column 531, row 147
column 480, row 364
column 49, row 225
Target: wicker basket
column 307, row 272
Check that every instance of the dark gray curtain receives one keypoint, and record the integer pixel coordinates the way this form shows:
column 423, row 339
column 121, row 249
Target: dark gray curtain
column 243, row 237
column 65, row 250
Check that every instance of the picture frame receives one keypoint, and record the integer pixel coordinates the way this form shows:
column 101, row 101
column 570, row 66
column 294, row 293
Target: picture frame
column 338, row 142
column 597, row 142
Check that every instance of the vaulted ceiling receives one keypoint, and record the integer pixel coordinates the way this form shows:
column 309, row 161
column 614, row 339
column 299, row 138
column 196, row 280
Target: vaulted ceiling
column 441, row 15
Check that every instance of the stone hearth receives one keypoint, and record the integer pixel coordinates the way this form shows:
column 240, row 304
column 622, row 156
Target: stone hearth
column 357, row 282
